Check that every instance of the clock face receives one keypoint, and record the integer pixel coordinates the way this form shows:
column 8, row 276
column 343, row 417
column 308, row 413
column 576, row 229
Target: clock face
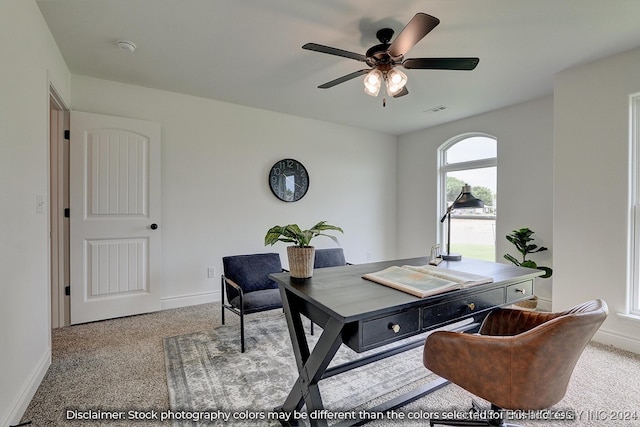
column 289, row 180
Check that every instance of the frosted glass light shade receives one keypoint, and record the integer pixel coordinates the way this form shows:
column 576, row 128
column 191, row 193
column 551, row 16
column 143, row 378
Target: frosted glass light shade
column 373, row 82
column 396, row 80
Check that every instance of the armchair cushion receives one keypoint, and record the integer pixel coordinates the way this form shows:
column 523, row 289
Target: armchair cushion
column 266, row 299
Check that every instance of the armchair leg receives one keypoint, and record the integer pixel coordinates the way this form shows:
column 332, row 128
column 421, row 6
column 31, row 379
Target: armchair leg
column 222, row 297
column 242, row 333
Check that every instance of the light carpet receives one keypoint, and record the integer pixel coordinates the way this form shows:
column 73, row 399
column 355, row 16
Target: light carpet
column 119, row 364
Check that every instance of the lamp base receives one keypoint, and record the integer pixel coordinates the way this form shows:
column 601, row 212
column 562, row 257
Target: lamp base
column 452, row 257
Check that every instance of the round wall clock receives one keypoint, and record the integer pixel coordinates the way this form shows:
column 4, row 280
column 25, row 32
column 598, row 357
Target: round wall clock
column 289, row 180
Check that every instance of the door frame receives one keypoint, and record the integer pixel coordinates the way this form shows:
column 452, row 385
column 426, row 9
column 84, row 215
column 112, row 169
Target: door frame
column 58, row 201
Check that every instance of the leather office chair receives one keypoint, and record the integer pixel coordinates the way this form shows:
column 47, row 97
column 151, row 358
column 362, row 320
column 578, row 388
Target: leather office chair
column 248, row 286
column 520, row 360
column 331, row 257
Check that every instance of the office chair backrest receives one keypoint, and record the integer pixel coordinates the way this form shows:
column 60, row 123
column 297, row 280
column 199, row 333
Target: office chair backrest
column 549, row 353
column 251, row 272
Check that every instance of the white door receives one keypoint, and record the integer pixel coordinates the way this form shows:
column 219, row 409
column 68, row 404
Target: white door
column 115, row 217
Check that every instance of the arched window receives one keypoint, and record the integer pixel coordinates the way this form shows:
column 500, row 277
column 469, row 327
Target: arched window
column 469, row 159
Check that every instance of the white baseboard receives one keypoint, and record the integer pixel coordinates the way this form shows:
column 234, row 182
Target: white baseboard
column 604, row 336
column 544, row 304
column 189, row 299
column 28, row 390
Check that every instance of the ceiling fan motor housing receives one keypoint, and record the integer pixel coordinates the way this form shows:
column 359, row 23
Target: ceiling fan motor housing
column 379, row 54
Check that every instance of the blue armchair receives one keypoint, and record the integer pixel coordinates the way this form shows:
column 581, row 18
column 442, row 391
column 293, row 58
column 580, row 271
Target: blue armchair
column 248, row 286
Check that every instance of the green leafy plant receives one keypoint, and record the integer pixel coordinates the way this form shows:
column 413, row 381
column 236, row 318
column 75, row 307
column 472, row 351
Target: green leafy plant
column 293, row 234
column 522, row 241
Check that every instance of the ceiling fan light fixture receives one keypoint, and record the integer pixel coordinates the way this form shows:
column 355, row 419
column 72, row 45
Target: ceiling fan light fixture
column 396, row 80
column 373, row 82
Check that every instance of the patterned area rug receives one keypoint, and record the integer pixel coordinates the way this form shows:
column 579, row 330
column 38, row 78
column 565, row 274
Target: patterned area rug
column 207, row 373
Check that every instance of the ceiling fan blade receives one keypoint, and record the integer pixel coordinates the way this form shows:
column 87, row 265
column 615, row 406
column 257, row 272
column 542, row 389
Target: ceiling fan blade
column 412, row 33
column 403, row 92
column 334, row 51
column 467, row 64
column 343, row 79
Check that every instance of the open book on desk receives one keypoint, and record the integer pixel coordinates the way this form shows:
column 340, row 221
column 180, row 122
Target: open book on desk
column 423, row 281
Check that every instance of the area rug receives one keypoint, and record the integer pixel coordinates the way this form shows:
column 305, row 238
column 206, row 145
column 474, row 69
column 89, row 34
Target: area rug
column 209, row 378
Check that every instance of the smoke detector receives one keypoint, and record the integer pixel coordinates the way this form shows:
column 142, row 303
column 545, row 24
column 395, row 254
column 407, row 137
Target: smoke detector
column 126, row 45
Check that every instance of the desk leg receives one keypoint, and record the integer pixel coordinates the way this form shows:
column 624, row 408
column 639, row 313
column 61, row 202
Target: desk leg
column 311, row 365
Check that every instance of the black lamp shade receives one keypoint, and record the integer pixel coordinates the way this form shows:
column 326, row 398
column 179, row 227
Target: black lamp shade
column 466, row 200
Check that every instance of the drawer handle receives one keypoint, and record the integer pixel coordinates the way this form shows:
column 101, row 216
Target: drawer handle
column 471, row 306
column 394, row 327
column 521, row 291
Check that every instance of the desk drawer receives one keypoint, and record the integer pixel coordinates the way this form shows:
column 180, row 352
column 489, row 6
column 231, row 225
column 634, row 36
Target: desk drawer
column 519, row 291
column 458, row 308
column 390, row 328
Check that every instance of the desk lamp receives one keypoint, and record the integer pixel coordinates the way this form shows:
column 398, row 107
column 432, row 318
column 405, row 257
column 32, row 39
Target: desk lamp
column 464, row 200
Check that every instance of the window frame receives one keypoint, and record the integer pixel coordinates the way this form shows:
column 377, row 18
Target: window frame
column 444, row 168
column 633, row 299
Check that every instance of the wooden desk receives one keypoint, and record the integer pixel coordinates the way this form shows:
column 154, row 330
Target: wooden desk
column 364, row 315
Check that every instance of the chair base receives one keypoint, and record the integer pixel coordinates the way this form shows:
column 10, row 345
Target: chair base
column 489, row 420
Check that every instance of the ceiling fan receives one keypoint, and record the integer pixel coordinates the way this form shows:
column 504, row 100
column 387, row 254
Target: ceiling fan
column 384, row 58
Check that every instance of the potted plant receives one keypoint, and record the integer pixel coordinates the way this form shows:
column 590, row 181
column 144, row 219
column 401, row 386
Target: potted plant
column 301, row 254
column 522, row 239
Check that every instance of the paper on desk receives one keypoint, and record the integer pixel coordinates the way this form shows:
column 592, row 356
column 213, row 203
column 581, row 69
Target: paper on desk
column 423, row 281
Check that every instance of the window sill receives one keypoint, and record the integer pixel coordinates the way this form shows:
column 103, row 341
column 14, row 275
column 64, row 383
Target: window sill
column 630, row 319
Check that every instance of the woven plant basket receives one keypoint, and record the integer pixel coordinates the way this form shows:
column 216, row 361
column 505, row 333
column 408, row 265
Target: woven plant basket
column 301, row 261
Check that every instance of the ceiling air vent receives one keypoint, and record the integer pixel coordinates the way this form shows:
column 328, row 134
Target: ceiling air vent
column 435, row 109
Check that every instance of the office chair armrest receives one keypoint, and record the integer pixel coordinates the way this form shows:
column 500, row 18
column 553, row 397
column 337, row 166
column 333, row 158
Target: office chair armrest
column 506, row 321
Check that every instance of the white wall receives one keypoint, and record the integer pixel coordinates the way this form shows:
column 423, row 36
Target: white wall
column 591, row 211
column 525, row 180
column 27, row 65
column 216, row 157
column 216, row 201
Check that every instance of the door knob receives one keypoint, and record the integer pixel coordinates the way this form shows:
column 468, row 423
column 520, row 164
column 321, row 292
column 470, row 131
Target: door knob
column 154, row 226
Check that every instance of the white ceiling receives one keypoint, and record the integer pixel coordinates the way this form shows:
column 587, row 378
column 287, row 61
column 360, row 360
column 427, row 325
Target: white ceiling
column 248, row 52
